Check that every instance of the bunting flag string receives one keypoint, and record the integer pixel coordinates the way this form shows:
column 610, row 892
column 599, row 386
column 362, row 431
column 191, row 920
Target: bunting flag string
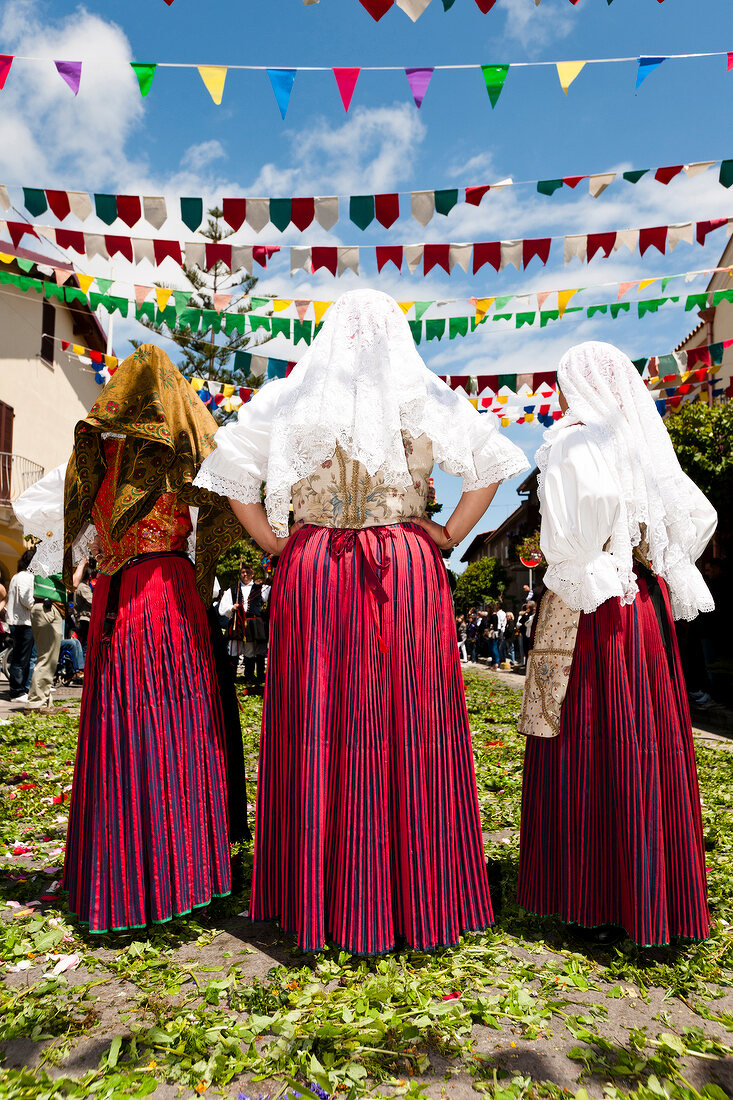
column 415, row 8
column 326, row 210
column 337, row 259
column 494, row 76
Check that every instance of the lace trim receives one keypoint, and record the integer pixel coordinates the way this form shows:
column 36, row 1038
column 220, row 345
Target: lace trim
column 246, row 490
column 48, row 560
column 584, row 586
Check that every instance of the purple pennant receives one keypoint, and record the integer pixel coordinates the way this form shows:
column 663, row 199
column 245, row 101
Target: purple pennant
column 70, row 71
column 419, row 80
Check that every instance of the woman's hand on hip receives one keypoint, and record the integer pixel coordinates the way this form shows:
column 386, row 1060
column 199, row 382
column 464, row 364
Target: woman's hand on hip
column 436, row 532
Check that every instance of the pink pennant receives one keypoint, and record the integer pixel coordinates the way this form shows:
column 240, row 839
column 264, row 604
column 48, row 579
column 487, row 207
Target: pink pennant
column 141, row 293
column 70, row 71
column 301, row 304
column 542, row 296
column 346, row 80
column 221, row 301
column 62, row 276
column 623, row 288
column 6, row 60
column 418, row 80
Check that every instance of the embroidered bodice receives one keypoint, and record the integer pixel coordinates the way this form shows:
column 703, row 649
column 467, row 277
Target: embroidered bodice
column 341, row 493
column 166, row 527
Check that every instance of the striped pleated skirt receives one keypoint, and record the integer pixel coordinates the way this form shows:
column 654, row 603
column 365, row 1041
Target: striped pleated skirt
column 368, row 825
column 148, row 835
column 611, row 823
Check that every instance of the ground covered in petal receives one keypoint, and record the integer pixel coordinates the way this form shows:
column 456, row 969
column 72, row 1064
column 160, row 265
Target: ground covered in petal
column 212, row 1004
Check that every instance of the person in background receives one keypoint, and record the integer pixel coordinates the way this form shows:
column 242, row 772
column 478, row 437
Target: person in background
column 508, row 649
column 461, row 633
column 243, row 606
column 73, row 647
column 47, row 621
column 472, row 636
column 529, row 620
column 82, row 601
column 18, row 617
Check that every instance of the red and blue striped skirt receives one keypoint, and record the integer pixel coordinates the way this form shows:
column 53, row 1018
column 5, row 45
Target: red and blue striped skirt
column 368, row 825
column 148, row 835
column 611, row 823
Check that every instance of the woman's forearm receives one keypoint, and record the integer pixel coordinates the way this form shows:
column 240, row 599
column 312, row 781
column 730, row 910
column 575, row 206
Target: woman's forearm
column 468, row 512
column 255, row 522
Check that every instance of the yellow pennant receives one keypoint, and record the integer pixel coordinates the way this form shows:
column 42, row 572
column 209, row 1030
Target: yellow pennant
column 505, row 421
column 162, row 294
column 85, row 281
column 502, row 398
column 645, row 283
column 474, row 402
column 319, row 309
column 279, row 304
column 5, row 259
column 78, row 350
column 213, row 77
column 528, row 418
column 563, row 297
column 110, row 361
column 567, row 71
column 404, row 306
column 482, row 307
column 227, row 389
column 197, row 383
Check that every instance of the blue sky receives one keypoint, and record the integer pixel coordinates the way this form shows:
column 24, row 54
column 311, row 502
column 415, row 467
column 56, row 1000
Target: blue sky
column 177, row 142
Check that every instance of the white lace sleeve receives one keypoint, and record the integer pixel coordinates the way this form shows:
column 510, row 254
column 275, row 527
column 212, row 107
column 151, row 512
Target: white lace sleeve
column 238, row 466
column 40, row 512
column 495, row 458
column 579, row 502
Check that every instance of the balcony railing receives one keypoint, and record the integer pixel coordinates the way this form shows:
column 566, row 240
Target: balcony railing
column 16, row 475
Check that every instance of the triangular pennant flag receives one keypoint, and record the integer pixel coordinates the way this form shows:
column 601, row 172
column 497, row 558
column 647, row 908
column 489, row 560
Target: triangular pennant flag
column 729, row 63
column 418, row 79
column 319, row 310
column 405, row 306
column 482, row 306
column 162, row 294
column 647, row 65
column 542, row 296
column 494, row 77
column 62, row 276
column 413, row 8
column 645, row 283
column 377, row 8
column 623, row 287
column 144, row 74
column 141, row 293
column 563, row 297
column 85, row 281
column 301, row 305
column 6, row 60
column 346, row 80
column 221, row 301
column 279, row 304
column 420, row 309
column 282, row 81
column 567, row 71
column 70, row 71
column 213, row 77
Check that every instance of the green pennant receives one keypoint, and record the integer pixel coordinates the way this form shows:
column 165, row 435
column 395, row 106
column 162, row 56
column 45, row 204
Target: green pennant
column 696, row 301
column 726, row 173
column 635, row 174
column 548, row 187
column 448, row 4
column 525, row 319
column 500, row 303
column 317, row 329
column 25, row 265
column 435, row 328
column 650, row 305
column 501, row 316
column 166, row 317
column 210, row 320
column 75, row 294
column 118, row 305
column 145, row 312
column 549, row 315
column 280, row 211
column 494, row 77
column 420, row 308
column 302, row 330
column 640, row 364
column 574, row 309
column 192, row 213
column 457, row 326
column 361, row 210
column 51, row 290
column 257, row 303
column 445, row 200
column 666, row 281
column 34, row 200
column 106, row 208
column 9, row 278
column 416, row 328
column 144, row 74
column 508, row 380
column 181, row 299
column 668, row 365
column 722, row 296
column 242, row 361
column 716, row 353
column 592, row 310
column 281, row 327
column 104, row 284
column 277, row 368
column 619, row 307
column 27, row 283
column 190, row 317
column 256, row 322
column 96, row 300
column 235, row 322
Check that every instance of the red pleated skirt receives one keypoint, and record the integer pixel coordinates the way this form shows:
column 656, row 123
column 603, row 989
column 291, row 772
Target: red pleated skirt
column 148, row 835
column 611, row 823
column 368, row 825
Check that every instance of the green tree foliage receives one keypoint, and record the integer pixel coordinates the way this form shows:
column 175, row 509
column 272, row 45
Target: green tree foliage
column 481, row 582
column 702, row 436
column 243, row 552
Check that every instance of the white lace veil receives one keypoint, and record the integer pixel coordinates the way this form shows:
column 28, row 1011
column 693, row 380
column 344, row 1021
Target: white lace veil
column 359, row 385
column 605, row 392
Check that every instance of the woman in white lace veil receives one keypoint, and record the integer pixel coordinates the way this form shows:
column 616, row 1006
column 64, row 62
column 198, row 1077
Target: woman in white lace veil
column 368, row 826
column 611, row 826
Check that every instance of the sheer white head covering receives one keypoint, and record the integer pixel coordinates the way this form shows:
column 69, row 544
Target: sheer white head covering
column 605, row 392
column 359, row 385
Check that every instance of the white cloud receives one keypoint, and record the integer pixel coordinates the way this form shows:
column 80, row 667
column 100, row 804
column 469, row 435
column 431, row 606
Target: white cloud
column 535, row 26
column 203, row 154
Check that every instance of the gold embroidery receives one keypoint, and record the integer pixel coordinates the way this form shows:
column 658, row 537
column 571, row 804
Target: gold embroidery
column 548, row 668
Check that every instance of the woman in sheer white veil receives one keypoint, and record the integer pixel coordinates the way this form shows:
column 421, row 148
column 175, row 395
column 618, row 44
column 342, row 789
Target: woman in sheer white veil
column 611, row 833
column 368, row 827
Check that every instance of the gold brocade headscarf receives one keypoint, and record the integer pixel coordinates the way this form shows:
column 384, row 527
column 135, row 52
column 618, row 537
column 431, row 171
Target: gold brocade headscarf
column 169, row 432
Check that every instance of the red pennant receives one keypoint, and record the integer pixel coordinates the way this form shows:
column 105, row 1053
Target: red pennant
column 261, row 253
column 325, row 256
column 536, row 246
column 458, row 381
column 598, row 241
column 377, row 8
column 474, row 195
column 289, row 367
column 436, row 255
column 728, row 69
column 96, row 356
column 346, row 80
column 65, row 345
column 656, row 237
column 18, row 230
column 235, row 211
column 129, row 208
column 162, row 249
column 664, row 175
column 485, row 5
column 389, row 253
column 115, row 244
column 71, row 238
column 217, row 252
column 487, row 253
column 557, row 414
column 387, row 209
column 302, row 212
column 487, row 382
column 698, row 355
column 58, row 202
column 703, row 228
column 218, row 398
column 6, row 60
column 543, row 379
column 573, row 181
